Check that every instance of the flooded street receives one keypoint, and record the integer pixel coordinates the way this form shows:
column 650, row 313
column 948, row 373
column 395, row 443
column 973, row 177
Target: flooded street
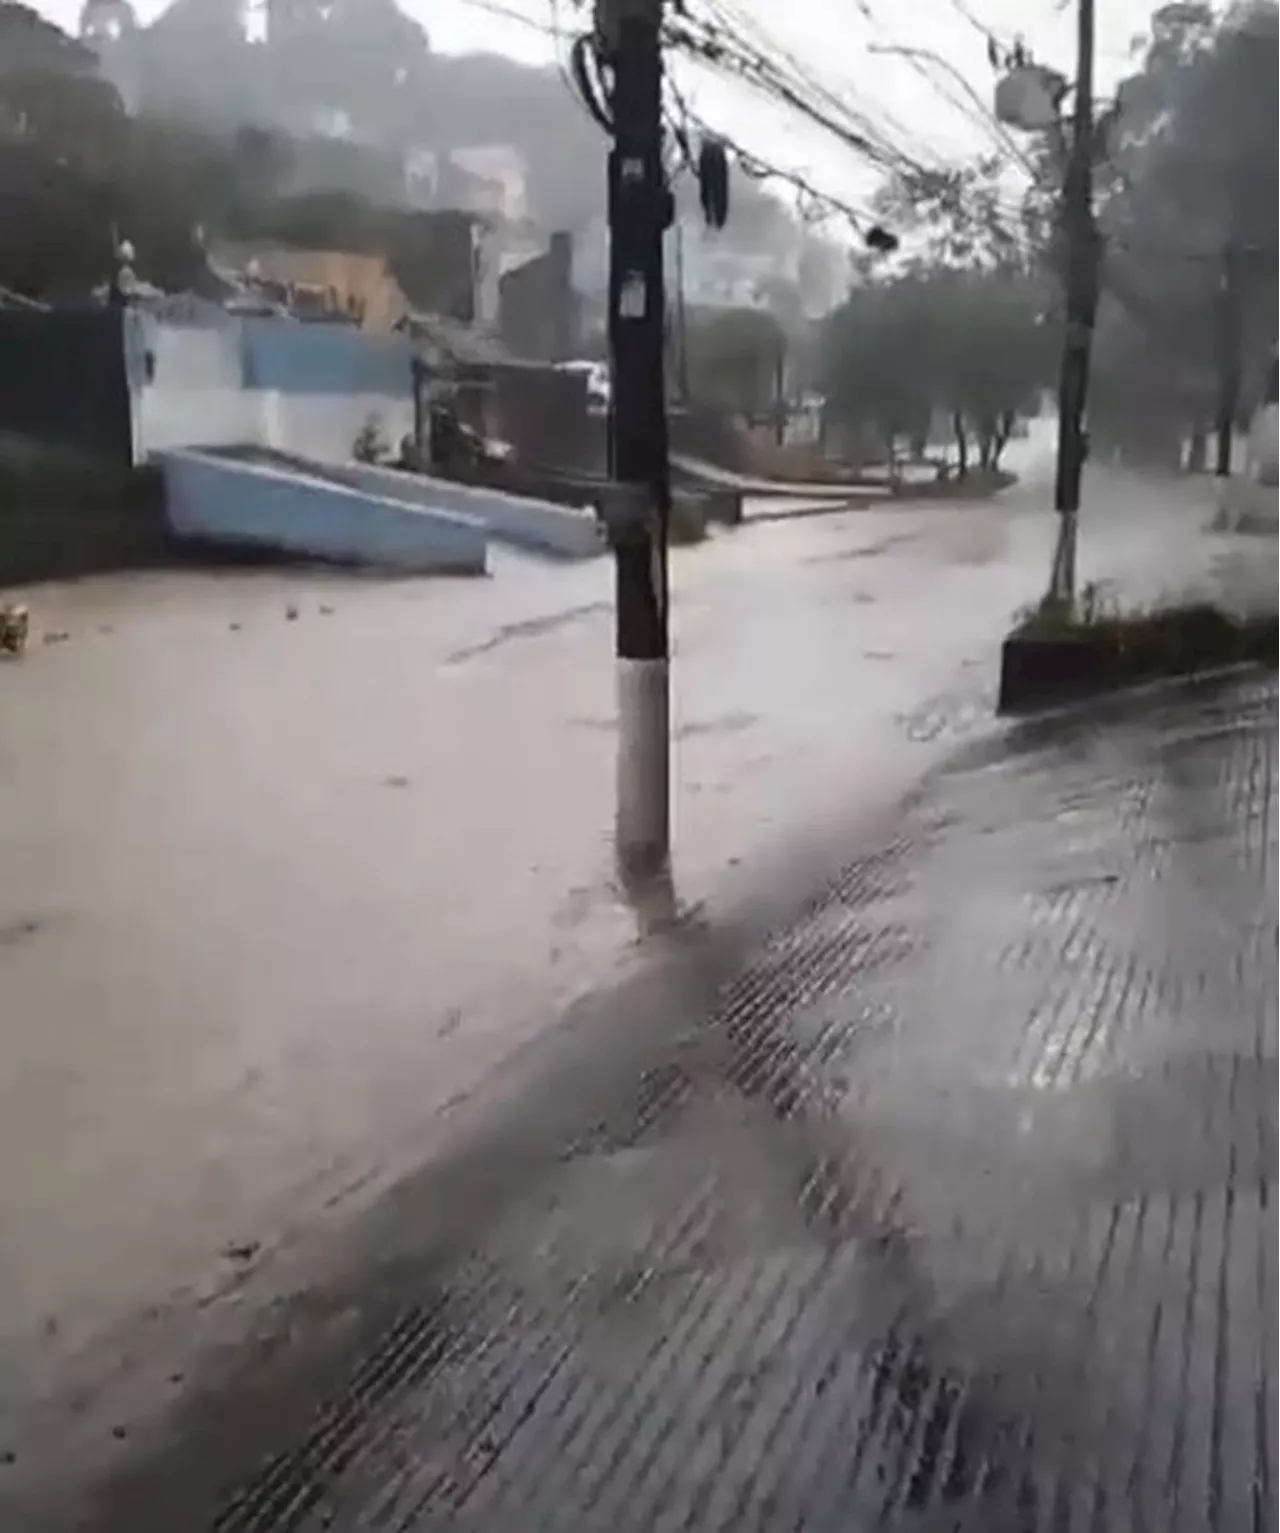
column 292, row 861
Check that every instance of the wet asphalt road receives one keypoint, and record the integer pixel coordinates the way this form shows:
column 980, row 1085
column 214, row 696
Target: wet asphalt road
column 295, row 863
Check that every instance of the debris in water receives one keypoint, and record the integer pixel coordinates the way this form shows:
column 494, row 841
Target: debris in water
column 15, row 625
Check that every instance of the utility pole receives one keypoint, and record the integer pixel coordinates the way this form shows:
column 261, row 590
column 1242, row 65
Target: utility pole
column 681, row 321
column 780, row 390
column 639, row 209
column 1081, row 283
column 1229, row 327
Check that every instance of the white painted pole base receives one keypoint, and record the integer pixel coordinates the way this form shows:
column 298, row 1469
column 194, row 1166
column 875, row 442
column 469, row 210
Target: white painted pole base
column 643, row 824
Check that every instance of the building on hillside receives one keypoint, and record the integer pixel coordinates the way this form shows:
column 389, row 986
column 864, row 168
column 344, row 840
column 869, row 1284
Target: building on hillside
column 444, row 262
column 538, row 308
column 499, row 170
column 315, row 284
column 110, row 29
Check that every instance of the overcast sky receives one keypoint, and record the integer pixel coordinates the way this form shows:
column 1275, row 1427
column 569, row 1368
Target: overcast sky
column 836, row 38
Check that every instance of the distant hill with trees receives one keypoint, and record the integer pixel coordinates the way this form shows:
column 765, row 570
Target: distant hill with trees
column 191, row 125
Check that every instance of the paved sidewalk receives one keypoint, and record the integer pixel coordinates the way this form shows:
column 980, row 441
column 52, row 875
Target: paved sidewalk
column 957, row 1211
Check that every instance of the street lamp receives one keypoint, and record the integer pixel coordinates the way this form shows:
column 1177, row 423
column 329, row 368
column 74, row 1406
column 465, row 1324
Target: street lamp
column 1030, row 97
column 928, row 56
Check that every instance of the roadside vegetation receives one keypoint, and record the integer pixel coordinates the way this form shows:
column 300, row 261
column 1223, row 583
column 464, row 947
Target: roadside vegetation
column 1057, row 652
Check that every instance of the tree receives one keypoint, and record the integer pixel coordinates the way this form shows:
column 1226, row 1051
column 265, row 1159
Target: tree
column 77, row 174
column 59, row 125
column 877, row 377
column 994, row 347
column 968, row 343
column 1190, row 175
column 52, row 98
column 956, row 215
column 31, row 45
column 733, row 357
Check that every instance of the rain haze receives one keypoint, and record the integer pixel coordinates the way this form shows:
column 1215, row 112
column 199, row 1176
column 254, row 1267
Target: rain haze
column 834, row 38
column 637, row 862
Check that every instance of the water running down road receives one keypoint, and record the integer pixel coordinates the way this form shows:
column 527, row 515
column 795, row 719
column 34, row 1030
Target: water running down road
column 282, row 891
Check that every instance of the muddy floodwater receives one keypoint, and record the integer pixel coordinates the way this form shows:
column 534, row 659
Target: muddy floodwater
column 290, row 862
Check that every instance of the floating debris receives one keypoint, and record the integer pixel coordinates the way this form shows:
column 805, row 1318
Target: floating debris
column 15, row 627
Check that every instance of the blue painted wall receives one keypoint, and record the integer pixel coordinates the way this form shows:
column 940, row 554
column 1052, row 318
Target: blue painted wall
column 219, row 501
column 323, row 359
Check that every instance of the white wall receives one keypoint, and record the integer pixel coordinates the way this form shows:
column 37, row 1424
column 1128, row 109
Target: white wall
column 196, row 418
column 192, row 395
column 325, row 426
column 320, row 426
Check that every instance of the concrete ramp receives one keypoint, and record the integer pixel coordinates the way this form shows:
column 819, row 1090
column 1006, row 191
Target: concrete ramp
column 538, row 526
column 232, row 502
column 700, row 471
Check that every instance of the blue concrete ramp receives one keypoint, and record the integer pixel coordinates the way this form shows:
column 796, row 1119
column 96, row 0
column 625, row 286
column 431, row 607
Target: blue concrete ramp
column 236, row 503
column 538, row 526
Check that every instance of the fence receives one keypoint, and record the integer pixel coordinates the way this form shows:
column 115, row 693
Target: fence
column 64, row 381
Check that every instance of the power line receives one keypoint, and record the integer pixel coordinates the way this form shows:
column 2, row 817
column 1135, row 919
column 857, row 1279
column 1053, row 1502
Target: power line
column 973, row 108
column 805, row 73
column 509, row 13
column 714, row 40
column 993, row 38
column 760, row 169
column 725, row 39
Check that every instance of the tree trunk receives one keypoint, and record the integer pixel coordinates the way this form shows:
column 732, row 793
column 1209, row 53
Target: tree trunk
column 962, row 444
column 1004, row 431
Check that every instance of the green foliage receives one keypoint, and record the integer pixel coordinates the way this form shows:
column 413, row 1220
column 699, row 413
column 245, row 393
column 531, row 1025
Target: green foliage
column 967, row 343
column 688, row 518
column 1192, row 168
column 77, row 174
column 341, row 92
column 876, row 373
column 31, row 45
column 956, row 215
column 961, row 327
column 733, row 357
